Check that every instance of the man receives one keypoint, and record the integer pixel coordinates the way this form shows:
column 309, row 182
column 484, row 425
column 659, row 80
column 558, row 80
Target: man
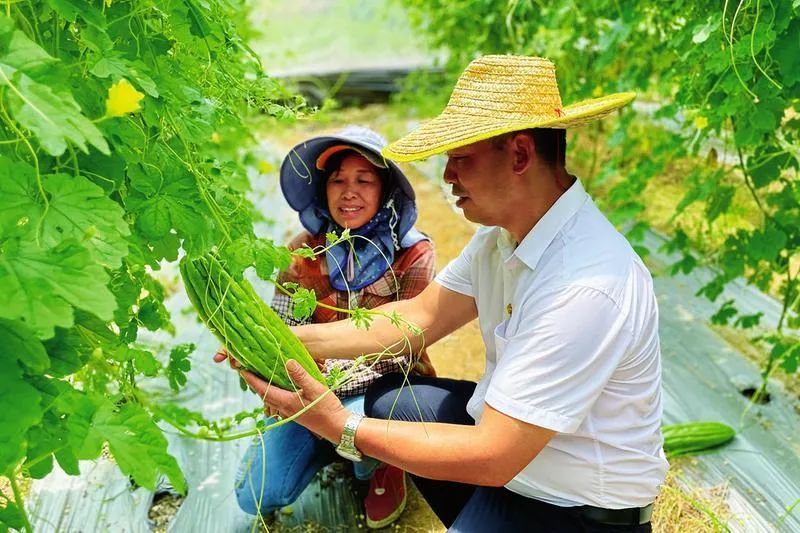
column 562, row 433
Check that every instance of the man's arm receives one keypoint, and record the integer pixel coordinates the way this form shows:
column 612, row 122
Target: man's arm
column 436, row 310
column 491, row 453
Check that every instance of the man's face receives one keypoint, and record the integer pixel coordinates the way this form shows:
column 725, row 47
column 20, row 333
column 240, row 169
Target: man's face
column 478, row 174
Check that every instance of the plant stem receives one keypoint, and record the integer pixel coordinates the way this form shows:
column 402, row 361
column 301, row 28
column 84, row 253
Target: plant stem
column 12, row 479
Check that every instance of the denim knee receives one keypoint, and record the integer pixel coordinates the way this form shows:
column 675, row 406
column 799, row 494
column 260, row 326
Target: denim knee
column 378, row 403
column 433, row 400
column 278, row 466
column 250, row 487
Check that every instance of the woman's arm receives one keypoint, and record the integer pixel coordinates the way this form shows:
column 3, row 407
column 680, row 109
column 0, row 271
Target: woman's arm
column 436, row 310
column 420, row 273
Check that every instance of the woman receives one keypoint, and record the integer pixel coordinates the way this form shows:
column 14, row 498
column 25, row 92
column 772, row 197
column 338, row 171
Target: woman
column 340, row 182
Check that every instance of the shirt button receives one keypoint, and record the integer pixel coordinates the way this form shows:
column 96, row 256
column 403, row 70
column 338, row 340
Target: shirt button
column 509, row 309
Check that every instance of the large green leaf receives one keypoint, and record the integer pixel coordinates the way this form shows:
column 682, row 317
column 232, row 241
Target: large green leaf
column 137, row 444
column 72, row 9
column 68, row 351
column 49, row 111
column 166, row 199
column 51, row 114
column 19, row 213
column 117, row 67
column 10, row 518
column 19, row 52
column 79, row 209
column 42, row 285
column 19, row 342
column 19, row 410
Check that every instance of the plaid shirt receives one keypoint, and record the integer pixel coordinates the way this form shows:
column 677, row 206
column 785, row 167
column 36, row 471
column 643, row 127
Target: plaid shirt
column 411, row 272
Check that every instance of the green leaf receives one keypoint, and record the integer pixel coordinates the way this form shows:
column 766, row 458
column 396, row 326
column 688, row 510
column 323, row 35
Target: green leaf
column 765, row 245
column 239, row 255
column 724, row 314
column 152, row 314
column 361, row 318
column 766, row 166
column 685, row 265
column 42, row 285
column 72, row 9
column 306, row 252
column 19, row 213
column 11, row 518
column 702, row 32
column 19, row 342
column 79, row 209
column 41, row 445
column 53, row 116
column 19, row 410
column 791, row 358
column 152, row 251
column 145, row 362
column 168, row 201
column 18, row 51
column 83, row 443
column 304, row 301
column 137, row 444
column 69, row 349
column 117, row 67
column 179, row 365
column 719, row 202
column 749, row 321
column 269, row 256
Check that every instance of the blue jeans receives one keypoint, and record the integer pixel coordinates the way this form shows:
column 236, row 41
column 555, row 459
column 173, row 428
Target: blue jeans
column 280, row 464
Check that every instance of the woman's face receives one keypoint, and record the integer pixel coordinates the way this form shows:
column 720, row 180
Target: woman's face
column 354, row 192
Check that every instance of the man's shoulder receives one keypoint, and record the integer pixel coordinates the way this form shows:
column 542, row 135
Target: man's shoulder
column 595, row 254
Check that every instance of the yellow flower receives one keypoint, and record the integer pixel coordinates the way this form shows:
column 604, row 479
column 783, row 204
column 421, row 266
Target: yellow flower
column 701, row 122
column 122, row 99
column 597, row 92
column 265, row 167
column 216, row 138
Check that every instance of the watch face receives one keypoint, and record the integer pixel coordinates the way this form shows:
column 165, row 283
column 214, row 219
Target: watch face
column 354, row 455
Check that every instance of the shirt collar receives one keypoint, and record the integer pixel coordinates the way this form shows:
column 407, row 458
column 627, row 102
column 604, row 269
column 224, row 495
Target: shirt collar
column 537, row 240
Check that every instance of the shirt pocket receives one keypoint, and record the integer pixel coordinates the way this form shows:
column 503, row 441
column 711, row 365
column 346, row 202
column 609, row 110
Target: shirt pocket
column 500, row 340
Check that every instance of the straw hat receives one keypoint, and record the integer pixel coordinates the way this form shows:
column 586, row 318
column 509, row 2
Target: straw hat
column 497, row 94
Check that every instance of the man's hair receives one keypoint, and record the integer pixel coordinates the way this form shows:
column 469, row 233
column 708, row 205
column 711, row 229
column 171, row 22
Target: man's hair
column 550, row 144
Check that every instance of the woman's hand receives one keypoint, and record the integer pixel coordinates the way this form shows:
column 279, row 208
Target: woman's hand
column 223, row 354
column 326, row 418
column 300, row 332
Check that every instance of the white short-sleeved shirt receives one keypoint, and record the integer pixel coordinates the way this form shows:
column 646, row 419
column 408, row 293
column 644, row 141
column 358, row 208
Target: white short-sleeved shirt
column 570, row 323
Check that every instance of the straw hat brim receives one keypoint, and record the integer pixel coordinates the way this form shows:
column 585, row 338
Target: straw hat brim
column 453, row 130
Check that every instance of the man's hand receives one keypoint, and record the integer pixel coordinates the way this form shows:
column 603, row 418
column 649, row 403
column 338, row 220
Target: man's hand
column 326, row 418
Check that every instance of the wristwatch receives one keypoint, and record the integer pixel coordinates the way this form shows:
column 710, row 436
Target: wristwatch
column 347, row 446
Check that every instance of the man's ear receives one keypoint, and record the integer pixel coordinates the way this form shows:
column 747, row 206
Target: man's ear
column 523, row 152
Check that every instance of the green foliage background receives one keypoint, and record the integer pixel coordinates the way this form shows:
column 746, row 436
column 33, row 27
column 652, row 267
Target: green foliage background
column 91, row 204
column 720, row 74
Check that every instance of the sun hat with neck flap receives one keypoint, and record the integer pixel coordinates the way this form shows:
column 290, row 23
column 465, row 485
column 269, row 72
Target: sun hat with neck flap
column 353, row 265
column 498, row 94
